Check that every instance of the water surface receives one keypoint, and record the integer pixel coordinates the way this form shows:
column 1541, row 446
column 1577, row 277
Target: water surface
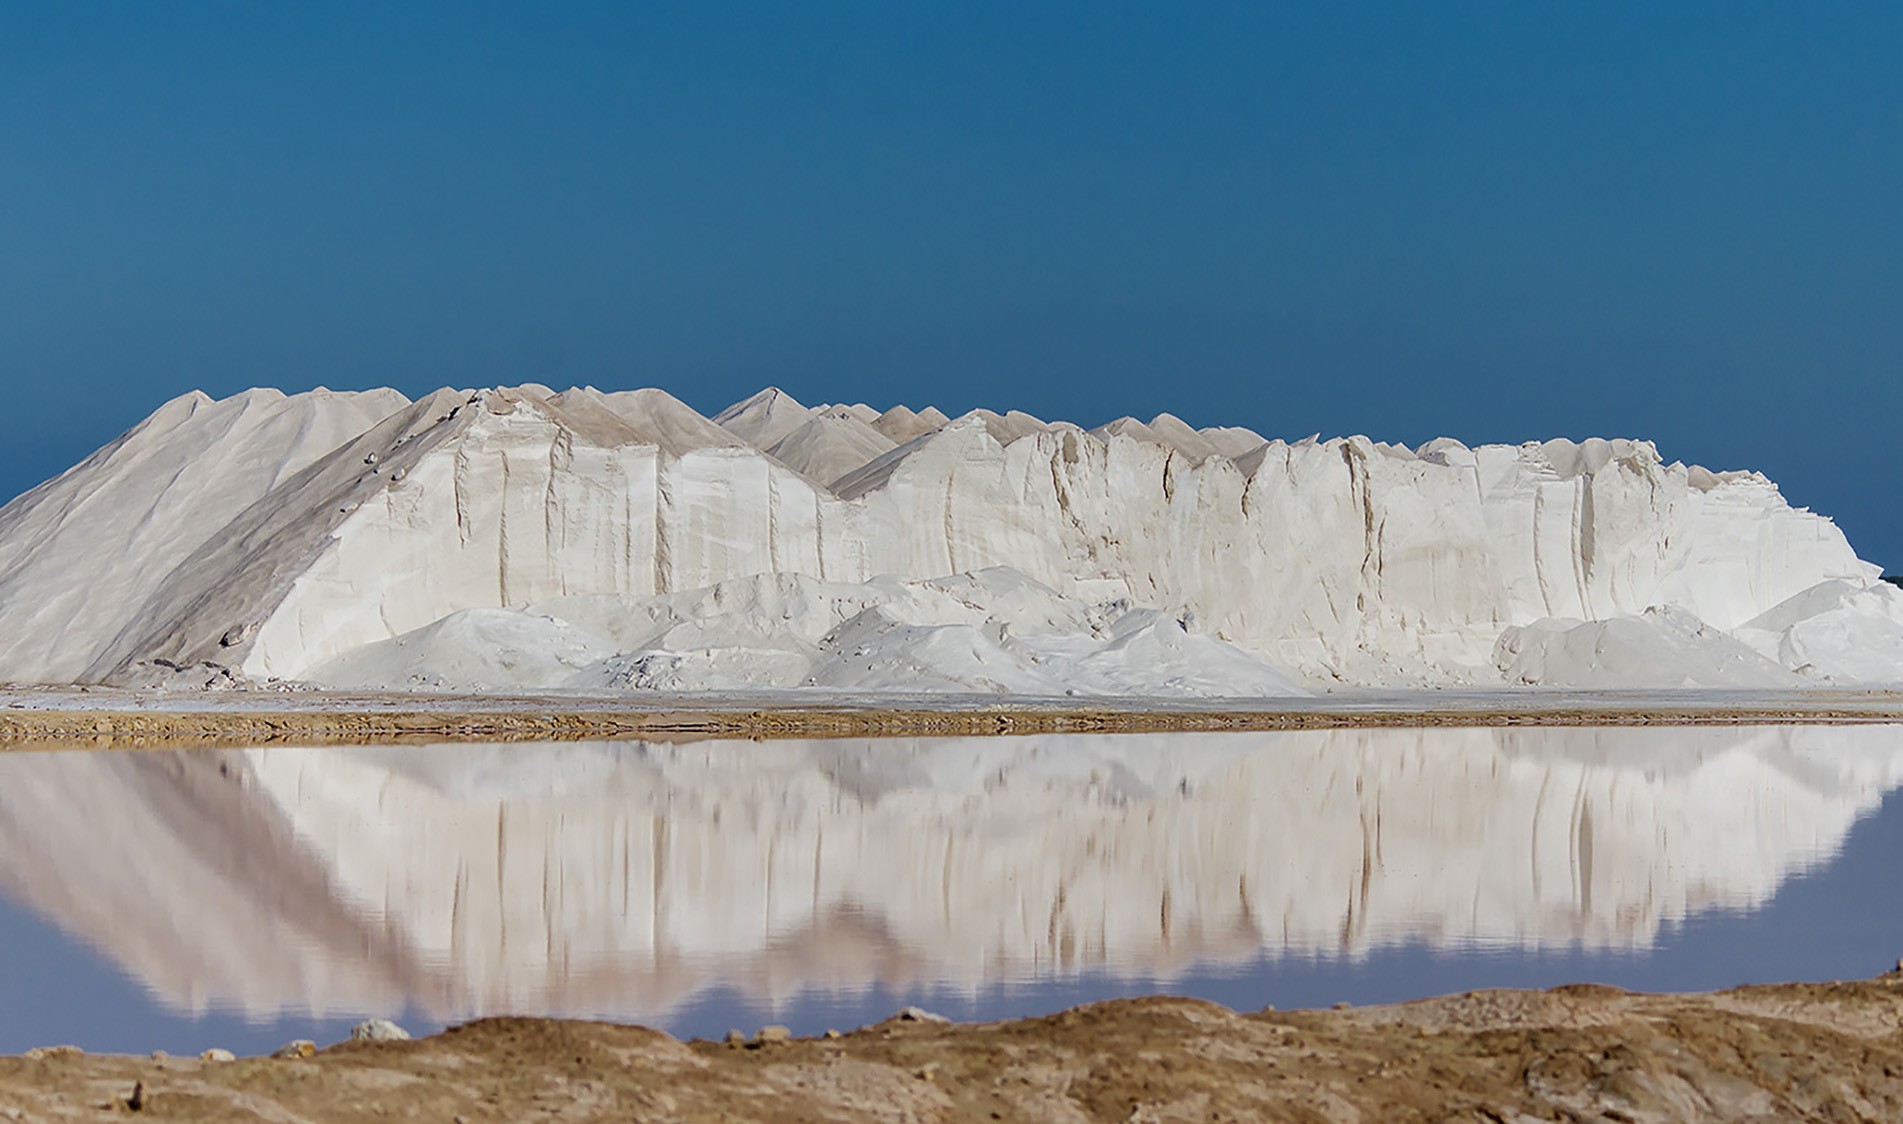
column 243, row 897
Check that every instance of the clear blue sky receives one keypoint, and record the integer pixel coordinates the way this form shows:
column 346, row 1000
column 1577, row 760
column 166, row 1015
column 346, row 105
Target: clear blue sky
column 1497, row 221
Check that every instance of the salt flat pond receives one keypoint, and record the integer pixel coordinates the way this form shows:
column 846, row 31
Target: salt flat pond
column 241, row 897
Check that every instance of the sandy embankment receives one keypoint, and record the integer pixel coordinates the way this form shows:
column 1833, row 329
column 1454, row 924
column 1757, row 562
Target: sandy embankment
column 68, row 717
column 1830, row 1051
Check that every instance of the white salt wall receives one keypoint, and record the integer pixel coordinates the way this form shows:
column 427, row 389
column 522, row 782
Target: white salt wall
column 1335, row 559
column 1342, row 560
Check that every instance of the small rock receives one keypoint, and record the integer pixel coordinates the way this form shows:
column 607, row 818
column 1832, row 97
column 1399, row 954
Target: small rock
column 833, row 1035
column 43, row 1053
column 927, row 1072
column 295, row 1049
column 736, row 1038
column 161, row 1056
column 773, row 1035
column 920, row 1015
column 378, row 1030
column 1343, row 1006
column 217, row 1054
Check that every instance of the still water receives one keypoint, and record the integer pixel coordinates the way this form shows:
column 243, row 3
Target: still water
column 239, row 898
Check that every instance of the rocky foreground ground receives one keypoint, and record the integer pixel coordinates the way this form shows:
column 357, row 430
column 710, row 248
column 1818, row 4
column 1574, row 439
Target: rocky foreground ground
column 1585, row 1053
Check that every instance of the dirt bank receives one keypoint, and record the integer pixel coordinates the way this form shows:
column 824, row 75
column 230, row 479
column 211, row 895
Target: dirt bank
column 75, row 717
column 1788, row 1052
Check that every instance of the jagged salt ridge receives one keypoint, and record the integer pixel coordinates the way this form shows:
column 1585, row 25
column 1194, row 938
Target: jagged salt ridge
column 285, row 536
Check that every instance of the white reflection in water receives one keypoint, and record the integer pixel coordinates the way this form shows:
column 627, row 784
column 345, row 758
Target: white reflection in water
column 623, row 878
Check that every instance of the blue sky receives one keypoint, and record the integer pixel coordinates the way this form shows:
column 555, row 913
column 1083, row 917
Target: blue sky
column 1495, row 221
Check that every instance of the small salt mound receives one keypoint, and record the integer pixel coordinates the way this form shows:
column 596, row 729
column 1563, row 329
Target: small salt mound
column 1009, row 426
column 992, row 631
column 746, row 608
column 1176, row 433
column 873, row 652
column 998, row 593
column 1660, row 648
column 764, row 418
column 729, row 650
column 1834, row 631
column 901, row 424
column 1145, row 653
column 658, row 417
column 830, row 446
column 1126, row 427
column 858, row 411
column 473, row 650
column 1155, row 653
column 1232, row 440
column 723, row 668
column 950, row 439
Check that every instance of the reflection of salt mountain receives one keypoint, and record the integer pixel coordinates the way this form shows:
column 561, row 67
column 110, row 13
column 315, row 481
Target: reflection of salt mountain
column 622, row 877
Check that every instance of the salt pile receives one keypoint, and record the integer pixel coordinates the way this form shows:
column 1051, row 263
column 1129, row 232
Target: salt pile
column 992, row 631
column 521, row 538
column 1662, row 647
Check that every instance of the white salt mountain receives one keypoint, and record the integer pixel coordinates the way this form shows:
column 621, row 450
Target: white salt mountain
column 519, row 538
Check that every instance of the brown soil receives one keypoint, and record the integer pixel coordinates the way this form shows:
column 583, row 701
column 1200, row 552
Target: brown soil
column 1584, row 1053
column 501, row 719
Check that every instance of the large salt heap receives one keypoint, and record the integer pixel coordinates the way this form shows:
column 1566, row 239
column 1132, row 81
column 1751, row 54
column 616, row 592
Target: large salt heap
column 521, row 538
